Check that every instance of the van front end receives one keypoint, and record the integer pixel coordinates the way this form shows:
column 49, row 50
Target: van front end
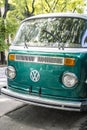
column 47, row 62
column 49, row 79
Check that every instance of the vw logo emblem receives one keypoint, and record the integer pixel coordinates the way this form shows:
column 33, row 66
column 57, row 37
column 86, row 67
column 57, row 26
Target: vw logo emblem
column 34, row 75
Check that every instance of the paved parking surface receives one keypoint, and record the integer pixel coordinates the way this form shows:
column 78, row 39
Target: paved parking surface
column 38, row 118
column 3, row 79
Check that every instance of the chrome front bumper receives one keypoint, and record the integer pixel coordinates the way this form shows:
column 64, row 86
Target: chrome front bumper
column 44, row 102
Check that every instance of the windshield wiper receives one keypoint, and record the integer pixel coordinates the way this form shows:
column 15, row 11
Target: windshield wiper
column 50, row 34
column 60, row 45
column 25, row 44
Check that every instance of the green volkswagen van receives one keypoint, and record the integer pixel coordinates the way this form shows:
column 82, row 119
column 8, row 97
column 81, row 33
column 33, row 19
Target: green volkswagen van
column 47, row 62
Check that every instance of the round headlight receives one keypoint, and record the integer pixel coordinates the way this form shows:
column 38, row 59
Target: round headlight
column 69, row 79
column 10, row 72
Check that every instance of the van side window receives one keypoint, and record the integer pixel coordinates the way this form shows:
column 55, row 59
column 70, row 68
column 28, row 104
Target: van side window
column 84, row 39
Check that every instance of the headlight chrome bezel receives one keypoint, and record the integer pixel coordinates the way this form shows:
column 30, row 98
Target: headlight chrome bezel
column 69, row 79
column 10, row 72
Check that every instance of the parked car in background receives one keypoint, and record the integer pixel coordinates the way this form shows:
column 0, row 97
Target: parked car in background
column 47, row 62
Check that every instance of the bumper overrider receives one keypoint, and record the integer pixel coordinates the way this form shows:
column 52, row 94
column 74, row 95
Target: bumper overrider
column 44, row 102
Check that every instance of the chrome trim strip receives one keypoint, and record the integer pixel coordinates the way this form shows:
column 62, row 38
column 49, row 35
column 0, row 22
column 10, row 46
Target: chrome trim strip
column 40, row 59
column 44, row 49
column 39, row 101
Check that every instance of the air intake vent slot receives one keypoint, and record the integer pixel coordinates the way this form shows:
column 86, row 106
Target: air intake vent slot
column 40, row 59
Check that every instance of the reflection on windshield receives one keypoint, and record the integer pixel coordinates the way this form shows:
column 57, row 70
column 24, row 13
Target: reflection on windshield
column 51, row 32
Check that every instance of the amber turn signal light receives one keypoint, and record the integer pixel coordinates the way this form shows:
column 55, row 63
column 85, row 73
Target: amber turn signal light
column 11, row 56
column 69, row 61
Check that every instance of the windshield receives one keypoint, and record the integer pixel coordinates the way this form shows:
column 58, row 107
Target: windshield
column 52, row 32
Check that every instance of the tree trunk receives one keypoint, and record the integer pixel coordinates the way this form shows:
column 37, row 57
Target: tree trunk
column 3, row 60
column 5, row 8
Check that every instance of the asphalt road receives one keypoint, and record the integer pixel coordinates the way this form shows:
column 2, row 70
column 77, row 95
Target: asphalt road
column 39, row 118
column 15, row 115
